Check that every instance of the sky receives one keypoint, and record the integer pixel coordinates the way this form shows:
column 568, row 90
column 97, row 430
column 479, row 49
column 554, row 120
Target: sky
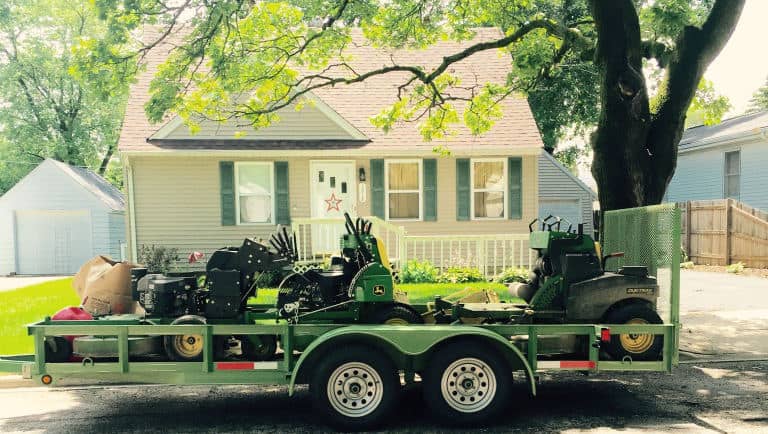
column 742, row 66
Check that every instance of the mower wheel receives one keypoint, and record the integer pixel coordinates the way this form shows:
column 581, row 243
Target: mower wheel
column 185, row 348
column 258, row 348
column 467, row 383
column 637, row 346
column 57, row 349
column 354, row 388
column 397, row 314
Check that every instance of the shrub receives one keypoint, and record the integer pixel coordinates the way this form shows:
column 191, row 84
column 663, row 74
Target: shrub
column 157, row 259
column 686, row 265
column 735, row 268
column 513, row 274
column 416, row 271
column 460, row 275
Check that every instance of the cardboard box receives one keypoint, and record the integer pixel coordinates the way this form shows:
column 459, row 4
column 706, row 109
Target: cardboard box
column 104, row 287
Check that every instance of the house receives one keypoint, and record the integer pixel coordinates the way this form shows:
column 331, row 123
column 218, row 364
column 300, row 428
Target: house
column 212, row 188
column 722, row 161
column 58, row 217
column 563, row 194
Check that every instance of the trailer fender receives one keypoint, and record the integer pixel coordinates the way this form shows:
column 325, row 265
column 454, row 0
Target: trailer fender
column 410, row 341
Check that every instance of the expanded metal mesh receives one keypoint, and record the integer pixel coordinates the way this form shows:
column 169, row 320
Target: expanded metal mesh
column 648, row 236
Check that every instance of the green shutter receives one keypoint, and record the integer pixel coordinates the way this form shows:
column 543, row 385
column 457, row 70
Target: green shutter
column 377, row 188
column 430, row 189
column 227, row 180
column 515, row 168
column 463, row 184
column 282, row 201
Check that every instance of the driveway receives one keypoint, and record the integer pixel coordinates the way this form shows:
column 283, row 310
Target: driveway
column 15, row 282
column 723, row 315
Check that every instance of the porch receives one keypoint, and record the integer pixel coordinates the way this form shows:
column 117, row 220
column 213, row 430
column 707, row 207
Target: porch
column 319, row 239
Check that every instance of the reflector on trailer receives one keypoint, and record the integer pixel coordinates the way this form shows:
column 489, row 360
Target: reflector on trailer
column 605, row 334
column 565, row 364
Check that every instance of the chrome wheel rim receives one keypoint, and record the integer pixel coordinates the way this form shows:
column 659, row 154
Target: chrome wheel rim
column 468, row 385
column 355, row 389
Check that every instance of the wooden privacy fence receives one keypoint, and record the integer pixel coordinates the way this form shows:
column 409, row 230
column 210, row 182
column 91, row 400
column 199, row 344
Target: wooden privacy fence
column 723, row 232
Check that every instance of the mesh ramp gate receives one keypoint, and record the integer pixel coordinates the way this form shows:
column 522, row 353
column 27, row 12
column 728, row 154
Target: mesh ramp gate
column 649, row 236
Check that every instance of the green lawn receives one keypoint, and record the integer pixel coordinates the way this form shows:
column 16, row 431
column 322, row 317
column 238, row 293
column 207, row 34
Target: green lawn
column 27, row 305
column 417, row 292
column 33, row 303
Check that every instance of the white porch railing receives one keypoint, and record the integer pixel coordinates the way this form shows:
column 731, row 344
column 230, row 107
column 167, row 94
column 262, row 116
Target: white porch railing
column 318, row 239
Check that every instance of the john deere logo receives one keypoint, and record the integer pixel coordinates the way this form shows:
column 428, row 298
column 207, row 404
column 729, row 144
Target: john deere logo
column 378, row 290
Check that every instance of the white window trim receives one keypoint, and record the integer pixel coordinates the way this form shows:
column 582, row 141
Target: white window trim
column 271, row 166
column 473, row 190
column 420, row 191
column 726, row 174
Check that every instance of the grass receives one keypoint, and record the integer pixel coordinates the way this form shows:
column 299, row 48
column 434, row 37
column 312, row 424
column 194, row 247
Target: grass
column 33, row 303
column 27, row 305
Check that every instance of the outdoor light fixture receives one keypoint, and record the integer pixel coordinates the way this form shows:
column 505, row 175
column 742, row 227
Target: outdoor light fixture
column 361, row 174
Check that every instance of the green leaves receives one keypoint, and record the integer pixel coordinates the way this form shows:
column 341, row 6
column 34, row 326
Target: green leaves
column 50, row 108
column 707, row 107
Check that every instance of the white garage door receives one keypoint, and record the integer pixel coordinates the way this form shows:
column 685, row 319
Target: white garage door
column 52, row 242
column 566, row 209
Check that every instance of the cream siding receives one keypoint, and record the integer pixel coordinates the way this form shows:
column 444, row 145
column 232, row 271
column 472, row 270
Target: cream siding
column 177, row 203
column 308, row 123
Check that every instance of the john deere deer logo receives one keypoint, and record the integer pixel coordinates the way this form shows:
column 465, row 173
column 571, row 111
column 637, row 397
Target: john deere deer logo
column 378, row 290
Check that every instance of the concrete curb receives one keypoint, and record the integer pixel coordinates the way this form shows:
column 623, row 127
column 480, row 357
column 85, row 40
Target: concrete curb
column 14, row 381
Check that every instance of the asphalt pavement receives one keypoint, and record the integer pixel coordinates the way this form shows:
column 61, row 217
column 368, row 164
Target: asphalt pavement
column 723, row 315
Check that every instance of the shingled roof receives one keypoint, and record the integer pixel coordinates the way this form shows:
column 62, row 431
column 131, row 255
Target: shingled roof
column 359, row 102
column 739, row 125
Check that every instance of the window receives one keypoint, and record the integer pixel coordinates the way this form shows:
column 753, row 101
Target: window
column 404, row 181
column 255, row 192
column 489, row 188
column 732, row 179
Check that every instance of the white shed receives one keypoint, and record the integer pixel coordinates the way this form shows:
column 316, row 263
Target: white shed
column 56, row 218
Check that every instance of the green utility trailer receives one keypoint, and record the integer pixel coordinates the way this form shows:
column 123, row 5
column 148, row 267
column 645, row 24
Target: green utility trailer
column 355, row 372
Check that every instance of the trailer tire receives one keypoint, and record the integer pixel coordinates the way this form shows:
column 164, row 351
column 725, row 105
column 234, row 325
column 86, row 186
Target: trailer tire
column 354, row 388
column 641, row 347
column 467, row 383
column 397, row 314
column 258, row 348
column 185, row 348
column 57, row 349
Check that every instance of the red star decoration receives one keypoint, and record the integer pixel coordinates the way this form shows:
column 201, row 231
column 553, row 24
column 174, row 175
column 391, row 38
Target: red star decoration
column 333, row 202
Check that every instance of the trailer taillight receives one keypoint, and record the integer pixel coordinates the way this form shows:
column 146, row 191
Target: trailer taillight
column 605, row 334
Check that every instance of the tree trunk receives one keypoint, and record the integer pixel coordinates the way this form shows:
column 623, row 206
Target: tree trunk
column 635, row 150
column 107, row 157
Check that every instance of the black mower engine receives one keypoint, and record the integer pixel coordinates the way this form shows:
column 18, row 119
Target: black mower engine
column 230, row 275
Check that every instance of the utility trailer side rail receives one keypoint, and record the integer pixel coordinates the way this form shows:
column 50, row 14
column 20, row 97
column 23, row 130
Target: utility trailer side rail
column 410, row 347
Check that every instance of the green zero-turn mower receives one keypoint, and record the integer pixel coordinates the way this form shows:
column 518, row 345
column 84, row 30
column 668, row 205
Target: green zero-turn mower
column 570, row 285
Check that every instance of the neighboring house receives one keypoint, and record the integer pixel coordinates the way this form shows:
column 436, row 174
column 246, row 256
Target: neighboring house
column 57, row 218
column 727, row 160
column 564, row 195
column 202, row 191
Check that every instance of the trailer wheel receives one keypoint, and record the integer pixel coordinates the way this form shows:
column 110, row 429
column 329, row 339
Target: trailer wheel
column 354, row 388
column 57, row 349
column 397, row 314
column 636, row 346
column 466, row 383
column 185, row 348
column 258, row 347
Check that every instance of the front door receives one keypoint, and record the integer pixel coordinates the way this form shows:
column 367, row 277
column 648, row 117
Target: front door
column 333, row 188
